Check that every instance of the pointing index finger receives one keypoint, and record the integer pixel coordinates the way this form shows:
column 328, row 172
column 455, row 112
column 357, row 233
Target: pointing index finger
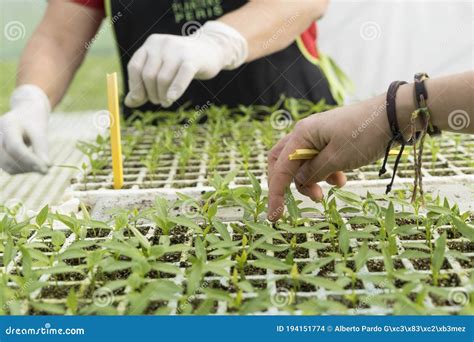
column 281, row 175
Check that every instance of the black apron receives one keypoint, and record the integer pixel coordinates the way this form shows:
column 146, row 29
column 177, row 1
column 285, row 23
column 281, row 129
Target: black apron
column 260, row 82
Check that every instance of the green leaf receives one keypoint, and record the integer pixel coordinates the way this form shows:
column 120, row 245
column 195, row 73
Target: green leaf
column 438, row 253
column 186, row 222
column 272, row 263
column 255, row 184
column 390, row 218
column 60, row 268
column 465, row 229
column 291, row 204
column 219, row 267
column 194, row 276
column 343, row 239
column 313, row 245
column 320, row 263
column 218, row 294
column 362, row 256
column 72, row 302
column 222, row 230
column 347, row 197
column 200, row 249
column 42, row 216
column 388, row 262
column 246, row 286
column 58, row 238
column 141, row 239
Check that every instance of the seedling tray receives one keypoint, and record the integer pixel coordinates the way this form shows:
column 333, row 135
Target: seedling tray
column 448, row 162
column 269, row 285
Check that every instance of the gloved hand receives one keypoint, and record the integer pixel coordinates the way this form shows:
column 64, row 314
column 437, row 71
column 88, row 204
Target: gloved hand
column 25, row 126
column 346, row 137
column 161, row 70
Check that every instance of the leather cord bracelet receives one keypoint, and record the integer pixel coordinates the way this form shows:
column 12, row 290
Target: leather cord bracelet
column 421, row 96
column 397, row 136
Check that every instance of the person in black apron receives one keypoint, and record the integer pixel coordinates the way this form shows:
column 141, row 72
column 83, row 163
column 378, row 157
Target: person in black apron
column 177, row 52
column 173, row 53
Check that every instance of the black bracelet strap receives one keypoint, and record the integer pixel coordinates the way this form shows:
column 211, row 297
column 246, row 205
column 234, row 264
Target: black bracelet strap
column 421, row 96
column 397, row 136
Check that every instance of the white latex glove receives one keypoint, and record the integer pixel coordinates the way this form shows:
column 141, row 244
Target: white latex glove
column 161, row 70
column 25, row 126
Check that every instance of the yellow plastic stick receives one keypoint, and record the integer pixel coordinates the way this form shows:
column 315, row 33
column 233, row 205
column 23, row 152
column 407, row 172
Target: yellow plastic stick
column 115, row 138
column 306, row 154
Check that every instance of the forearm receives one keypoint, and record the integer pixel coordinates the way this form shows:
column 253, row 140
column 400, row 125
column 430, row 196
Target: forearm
column 57, row 47
column 45, row 63
column 450, row 98
column 270, row 26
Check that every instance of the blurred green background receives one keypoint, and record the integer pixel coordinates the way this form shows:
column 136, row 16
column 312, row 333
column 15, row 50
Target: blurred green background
column 87, row 92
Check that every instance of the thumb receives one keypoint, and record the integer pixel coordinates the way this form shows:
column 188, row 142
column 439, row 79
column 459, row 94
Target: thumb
column 319, row 168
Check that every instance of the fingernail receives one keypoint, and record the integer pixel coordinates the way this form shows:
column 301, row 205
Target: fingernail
column 130, row 100
column 172, row 95
column 166, row 104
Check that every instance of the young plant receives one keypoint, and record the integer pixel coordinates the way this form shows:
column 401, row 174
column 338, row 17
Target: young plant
column 94, row 152
column 437, row 258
